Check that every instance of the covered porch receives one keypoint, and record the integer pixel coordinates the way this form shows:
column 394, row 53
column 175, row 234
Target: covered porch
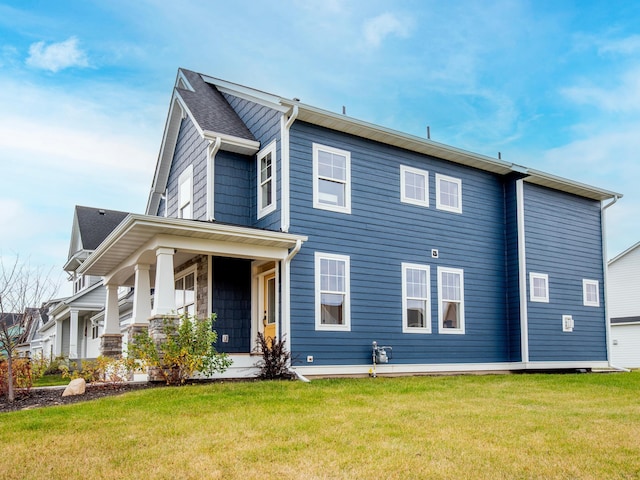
column 239, row 273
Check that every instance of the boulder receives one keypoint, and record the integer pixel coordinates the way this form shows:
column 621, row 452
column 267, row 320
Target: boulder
column 75, row 387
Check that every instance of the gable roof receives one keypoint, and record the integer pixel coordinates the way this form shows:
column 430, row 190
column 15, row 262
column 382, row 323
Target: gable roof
column 625, row 253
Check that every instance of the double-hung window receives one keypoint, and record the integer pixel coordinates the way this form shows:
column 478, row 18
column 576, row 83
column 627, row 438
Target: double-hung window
column 185, row 193
column 266, row 180
column 448, row 193
column 591, row 293
column 450, row 300
column 539, row 287
column 186, row 292
column 332, row 292
column 414, row 186
column 331, row 179
column 416, row 304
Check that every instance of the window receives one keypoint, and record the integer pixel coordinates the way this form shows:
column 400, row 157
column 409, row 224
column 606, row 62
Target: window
column 332, row 292
column 266, row 180
column 186, row 292
column 416, row 305
column 414, row 186
column 95, row 331
column 448, row 193
column 539, row 287
column 331, row 179
column 185, row 193
column 591, row 293
column 450, row 300
column 79, row 283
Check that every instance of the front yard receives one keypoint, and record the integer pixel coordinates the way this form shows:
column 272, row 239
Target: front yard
column 495, row 427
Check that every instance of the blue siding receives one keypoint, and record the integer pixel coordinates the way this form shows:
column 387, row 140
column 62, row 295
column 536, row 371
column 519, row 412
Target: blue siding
column 264, row 123
column 232, row 303
column 232, row 197
column 512, row 269
column 563, row 240
column 191, row 149
column 379, row 235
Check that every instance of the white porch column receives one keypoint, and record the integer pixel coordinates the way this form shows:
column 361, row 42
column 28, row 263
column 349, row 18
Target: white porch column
column 73, row 335
column 111, row 338
column 57, row 349
column 141, row 296
column 164, row 301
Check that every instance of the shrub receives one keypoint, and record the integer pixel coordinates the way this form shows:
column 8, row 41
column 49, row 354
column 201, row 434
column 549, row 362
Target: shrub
column 102, row 369
column 22, row 377
column 275, row 358
column 187, row 348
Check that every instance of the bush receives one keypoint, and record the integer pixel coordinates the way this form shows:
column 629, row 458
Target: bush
column 275, row 359
column 102, row 369
column 187, row 348
column 22, row 377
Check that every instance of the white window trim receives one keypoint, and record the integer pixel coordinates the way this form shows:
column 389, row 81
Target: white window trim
column 347, row 183
column 403, row 194
column 586, row 302
column 532, row 296
column 184, row 176
column 183, row 273
column 405, row 321
column 448, row 208
column 346, row 327
column 451, row 331
column 269, row 149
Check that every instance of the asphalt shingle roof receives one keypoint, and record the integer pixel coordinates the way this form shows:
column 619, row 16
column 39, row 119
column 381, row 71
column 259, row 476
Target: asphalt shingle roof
column 95, row 224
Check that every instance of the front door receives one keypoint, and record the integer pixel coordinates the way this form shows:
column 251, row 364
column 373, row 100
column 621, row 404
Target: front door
column 269, row 307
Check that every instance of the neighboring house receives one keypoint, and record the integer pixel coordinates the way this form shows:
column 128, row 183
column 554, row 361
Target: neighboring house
column 31, row 342
column 13, row 322
column 623, row 292
column 70, row 327
column 333, row 233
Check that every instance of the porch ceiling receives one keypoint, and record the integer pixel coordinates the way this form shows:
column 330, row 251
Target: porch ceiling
column 138, row 235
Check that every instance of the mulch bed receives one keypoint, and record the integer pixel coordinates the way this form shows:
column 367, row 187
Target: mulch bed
column 47, row 397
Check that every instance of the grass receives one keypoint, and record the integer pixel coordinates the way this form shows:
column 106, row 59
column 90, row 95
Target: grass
column 484, row 427
column 50, row 381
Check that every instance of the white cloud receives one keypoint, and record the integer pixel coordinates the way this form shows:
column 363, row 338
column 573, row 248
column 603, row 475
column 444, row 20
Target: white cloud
column 376, row 29
column 624, row 97
column 625, row 46
column 57, row 56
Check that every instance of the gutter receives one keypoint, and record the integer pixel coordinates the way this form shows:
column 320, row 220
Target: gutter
column 603, row 227
column 285, row 126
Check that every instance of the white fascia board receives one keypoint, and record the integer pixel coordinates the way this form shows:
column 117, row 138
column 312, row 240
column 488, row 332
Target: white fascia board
column 565, row 185
column 257, row 96
column 181, row 77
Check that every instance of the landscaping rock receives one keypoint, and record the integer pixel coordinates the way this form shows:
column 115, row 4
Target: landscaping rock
column 75, row 387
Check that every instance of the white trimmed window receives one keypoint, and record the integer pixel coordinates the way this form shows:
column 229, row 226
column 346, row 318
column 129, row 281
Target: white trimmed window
column 185, row 193
column 448, row 193
column 95, row 331
column 185, row 288
column 331, row 179
column 414, row 186
column 332, row 292
column 450, row 300
column 266, row 181
column 591, row 293
column 539, row 287
column 416, row 303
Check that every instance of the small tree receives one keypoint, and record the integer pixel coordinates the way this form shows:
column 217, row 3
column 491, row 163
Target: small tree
column 187, row 348
column 21, row 286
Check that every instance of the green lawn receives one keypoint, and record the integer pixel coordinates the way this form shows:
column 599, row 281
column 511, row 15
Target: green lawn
column 464, row 427
column 51, row 380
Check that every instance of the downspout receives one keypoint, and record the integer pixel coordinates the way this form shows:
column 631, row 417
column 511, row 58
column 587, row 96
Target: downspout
column 286, row 293
column 285, row 126
column 522, row 274
column 603, row 229
column 212, row 150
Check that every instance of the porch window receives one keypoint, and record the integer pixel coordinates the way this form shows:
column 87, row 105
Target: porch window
column 332, row 292
column 448, row 193
column 185, row 193
column 331, row 179
column 450, row 300
column 186, row 293
column 416, row 305
column 266, row 180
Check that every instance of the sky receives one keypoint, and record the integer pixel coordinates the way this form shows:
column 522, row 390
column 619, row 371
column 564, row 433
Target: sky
column 85, row 89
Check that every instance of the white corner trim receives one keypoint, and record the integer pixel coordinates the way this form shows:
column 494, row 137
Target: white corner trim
column 212, row 150
column 522, row 273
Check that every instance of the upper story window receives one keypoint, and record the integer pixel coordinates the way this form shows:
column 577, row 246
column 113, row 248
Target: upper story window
column 79, row 283
column 266, row 180
column 186, row 292
column 414, row 186
column 185, row 193
column 416, row 304
column 448, row 193
column 591, row 293
column 539, row 287
column 450, row 300
column 332, row 292
column 331, row 179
